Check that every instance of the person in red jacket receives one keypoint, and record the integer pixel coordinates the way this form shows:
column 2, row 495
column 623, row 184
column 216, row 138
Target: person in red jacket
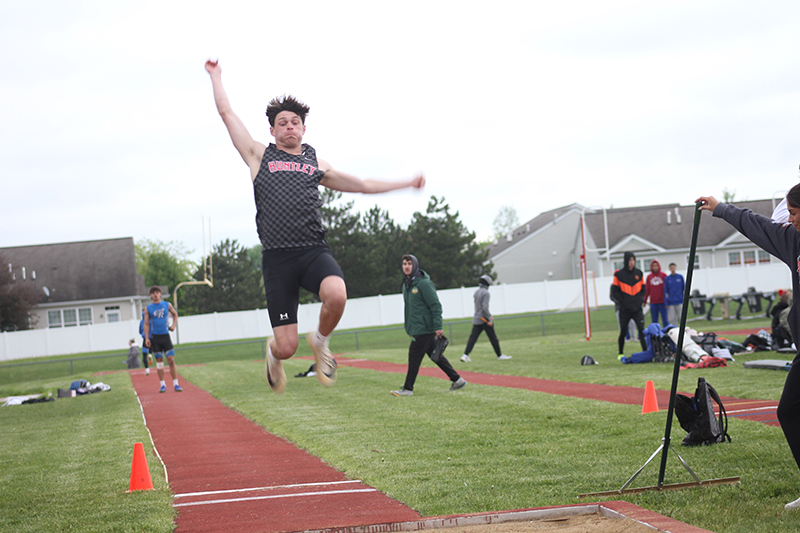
column 654, row 292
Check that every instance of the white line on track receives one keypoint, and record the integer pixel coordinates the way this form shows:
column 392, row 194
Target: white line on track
column 272, row 487
column 297, row 495
column 769, row 408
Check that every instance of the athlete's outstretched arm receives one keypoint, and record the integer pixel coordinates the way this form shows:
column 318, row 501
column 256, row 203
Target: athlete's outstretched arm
column 250, row 150
column 340, row 181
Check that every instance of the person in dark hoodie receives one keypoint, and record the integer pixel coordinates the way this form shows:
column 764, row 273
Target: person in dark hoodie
column 627, row 290
column 782, row 241
column 654, row 293
column 423, row 322
column 483, row 321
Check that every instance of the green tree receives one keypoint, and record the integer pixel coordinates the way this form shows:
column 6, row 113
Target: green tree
column 387, row 242
column 728, row 196
column 17, row 298
column 163, row 263
column 367, row 248
column 505, row 222
column 445, row 248
column 237, row 286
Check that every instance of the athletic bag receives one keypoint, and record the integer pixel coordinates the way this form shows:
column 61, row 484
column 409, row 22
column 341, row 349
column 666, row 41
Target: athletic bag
column 696, row 416
column 439, row 345
column 706, row 341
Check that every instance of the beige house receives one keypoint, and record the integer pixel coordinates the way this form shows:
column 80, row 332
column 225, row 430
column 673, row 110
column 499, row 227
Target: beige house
column 80, row 283
column 549, row 246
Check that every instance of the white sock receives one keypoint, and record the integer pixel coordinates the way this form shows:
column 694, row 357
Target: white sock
column 793, row 505
column 175, row 382
column 163, row 384
column 320, row 338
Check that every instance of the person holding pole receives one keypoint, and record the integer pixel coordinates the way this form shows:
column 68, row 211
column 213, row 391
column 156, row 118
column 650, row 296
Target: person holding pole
column 782, row 241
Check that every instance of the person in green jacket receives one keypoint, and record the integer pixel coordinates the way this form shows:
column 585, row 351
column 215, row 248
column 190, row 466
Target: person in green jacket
column 423, row 322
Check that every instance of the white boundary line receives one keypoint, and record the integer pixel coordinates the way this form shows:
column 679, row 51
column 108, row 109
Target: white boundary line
column 769, row 408
column 152, row 442
column 272, row 487
column 297, row 495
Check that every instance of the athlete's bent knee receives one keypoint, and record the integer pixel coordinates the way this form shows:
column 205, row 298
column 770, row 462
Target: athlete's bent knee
column 285, row 347
column 160, row 365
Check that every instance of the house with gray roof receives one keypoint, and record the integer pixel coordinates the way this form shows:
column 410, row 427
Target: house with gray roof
column 549, row 246
column 80, row 283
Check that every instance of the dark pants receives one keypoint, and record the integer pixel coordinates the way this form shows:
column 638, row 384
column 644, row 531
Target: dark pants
column 476, row 332
column 789, row 409
column 145, row 353
column 626, row 316
column 420, row 346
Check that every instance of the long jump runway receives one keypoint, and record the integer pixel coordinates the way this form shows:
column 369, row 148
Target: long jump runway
column 229, row 474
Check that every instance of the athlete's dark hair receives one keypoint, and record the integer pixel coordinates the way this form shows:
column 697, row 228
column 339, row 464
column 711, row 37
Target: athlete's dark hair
column 155, row 289
column 793, row 196
column 286, row 102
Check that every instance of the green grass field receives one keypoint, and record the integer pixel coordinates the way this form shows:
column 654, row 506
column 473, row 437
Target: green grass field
column 66, row 464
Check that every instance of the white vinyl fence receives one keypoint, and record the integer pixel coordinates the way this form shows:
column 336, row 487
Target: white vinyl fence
column 374, row 311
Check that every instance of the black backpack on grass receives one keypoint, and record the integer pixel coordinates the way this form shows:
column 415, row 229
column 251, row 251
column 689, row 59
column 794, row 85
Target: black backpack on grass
column 696, row 416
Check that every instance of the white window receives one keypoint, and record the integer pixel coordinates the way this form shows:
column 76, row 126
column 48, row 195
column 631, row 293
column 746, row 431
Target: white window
column 696, row 261
column 113, row 314
column 752, row 257
column 54, row 319
column 69, row 317
column 85, row 316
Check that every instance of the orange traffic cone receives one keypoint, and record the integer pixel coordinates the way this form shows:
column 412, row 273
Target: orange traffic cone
column 140, row 473
column 650, row 404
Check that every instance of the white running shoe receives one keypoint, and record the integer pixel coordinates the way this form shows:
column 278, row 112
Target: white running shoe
column 792, row 505
column 503, row 357
column 274, row 373
column 324, row 364
column 458, row 384
column 466, row 358
column 403, row 392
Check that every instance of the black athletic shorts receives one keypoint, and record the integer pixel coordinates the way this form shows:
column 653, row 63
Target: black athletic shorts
column 160, row 344
column 285, row 271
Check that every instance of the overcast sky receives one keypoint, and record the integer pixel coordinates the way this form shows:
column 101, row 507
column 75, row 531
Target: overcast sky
column 108, row 126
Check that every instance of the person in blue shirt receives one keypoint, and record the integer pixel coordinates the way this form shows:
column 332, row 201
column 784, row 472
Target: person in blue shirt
column 674, row 287
column 146, row 357
column 157, row 339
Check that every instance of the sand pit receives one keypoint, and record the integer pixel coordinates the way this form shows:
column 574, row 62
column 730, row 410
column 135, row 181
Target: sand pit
column 594, row 523
column 606, row 517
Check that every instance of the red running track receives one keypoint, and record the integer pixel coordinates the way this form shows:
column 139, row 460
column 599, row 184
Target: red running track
column 759, row 410
column 229, row 474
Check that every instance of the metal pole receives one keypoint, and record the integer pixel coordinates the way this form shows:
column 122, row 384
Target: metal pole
column 679, row 347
